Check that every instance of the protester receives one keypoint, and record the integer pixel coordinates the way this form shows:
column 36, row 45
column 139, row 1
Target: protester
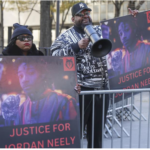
column 42, row 104
column 91, row 71
column 21, row 43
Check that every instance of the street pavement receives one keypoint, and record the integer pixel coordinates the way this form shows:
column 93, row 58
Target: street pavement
column 138, row 138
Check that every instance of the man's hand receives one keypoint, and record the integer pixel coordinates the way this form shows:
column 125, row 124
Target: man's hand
column 78, row 88
column 10, row 107
column 133, row 12
column 83, row 43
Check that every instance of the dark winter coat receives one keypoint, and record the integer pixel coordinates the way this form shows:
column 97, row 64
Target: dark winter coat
column 16, row 51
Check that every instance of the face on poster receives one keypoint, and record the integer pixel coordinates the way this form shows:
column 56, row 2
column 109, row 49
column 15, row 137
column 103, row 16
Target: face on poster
column 128, row 62
column 38, row 102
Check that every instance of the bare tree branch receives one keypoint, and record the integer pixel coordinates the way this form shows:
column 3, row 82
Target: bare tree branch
column 117, row 5
column 131, row 5
column 121, row 3
column 30, row 12
column 139, row 5
column 114, row 3
column 36, row 11
column 63, row 20
column 18, row 11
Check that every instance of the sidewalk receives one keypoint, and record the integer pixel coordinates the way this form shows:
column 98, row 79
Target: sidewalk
column 135, row 128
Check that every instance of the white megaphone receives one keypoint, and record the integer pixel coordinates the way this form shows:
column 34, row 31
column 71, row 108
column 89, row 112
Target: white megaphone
column 101, row 47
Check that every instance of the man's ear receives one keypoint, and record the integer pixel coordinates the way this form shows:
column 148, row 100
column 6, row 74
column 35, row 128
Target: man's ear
column 72, row 19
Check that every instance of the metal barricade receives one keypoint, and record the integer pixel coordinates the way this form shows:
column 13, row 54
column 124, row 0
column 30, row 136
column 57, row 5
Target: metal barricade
column 130, row 137
column 47, row 51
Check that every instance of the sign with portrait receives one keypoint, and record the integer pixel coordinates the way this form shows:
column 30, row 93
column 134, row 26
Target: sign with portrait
column 39, row 107
column 128, row 63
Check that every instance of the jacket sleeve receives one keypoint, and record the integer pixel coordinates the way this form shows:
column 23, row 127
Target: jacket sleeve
column 69, row 109
column 98, row 29
column 64, row 46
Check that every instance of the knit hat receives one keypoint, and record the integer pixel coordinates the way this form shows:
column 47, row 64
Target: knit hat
column 77, row 8
column 19, row 30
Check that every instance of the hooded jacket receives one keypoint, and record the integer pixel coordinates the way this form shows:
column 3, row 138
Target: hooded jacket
column 13, row 50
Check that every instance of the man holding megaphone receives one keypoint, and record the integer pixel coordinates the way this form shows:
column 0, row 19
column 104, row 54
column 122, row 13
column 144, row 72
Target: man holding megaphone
column 86, row 43
column 91, row 71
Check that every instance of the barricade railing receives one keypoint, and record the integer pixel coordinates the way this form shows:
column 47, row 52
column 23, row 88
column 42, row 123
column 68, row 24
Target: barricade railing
column 113, row 115
column 46, row 50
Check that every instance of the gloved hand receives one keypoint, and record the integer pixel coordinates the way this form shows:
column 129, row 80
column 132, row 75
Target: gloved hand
column 10, row 107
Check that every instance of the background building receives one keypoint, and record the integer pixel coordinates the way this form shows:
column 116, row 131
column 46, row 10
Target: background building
column 104, row 9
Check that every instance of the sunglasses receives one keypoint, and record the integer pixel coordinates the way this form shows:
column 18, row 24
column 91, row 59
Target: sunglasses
column 24, row 38
column 82, row 14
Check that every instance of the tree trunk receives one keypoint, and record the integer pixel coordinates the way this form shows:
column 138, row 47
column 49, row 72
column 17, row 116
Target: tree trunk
column 139, row 5
column 132, row 5
column 118, row 5
column 45, row 25
column 51, row 21
column 117, row 11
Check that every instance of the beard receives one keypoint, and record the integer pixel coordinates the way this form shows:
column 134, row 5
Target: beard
column 82, row 23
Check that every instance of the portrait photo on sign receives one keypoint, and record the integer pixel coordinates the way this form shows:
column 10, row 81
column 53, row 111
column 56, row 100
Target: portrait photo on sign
column 128, row 63
column 37, row 90
column 131, row 43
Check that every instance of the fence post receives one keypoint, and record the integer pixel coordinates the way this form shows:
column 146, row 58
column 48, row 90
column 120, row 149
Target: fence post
column 93, row 121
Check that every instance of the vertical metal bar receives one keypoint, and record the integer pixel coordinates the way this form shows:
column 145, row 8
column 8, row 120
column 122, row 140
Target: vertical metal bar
column 140, row 120
column 9, row 33
column 57, row 22
column 113, row 121
column 122, row 123
column 131, row 121
column 148, row 123
column 93, row 109
column 82, row 119
column 103, row 120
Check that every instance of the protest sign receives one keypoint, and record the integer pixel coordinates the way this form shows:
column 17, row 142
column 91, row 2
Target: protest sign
column 39, row 106
column 128, row 63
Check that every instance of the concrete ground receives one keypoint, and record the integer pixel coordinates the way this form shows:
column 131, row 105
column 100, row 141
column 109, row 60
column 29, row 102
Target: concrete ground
column 136, row 139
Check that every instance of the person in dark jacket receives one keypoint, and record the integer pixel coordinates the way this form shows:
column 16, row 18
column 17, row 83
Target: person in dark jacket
column 21, row 43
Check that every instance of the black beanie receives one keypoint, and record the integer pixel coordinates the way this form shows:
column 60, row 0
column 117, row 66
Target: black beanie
column 19, row 30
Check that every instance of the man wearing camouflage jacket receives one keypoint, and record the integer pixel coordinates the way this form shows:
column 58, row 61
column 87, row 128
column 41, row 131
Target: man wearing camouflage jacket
column 91, row 71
